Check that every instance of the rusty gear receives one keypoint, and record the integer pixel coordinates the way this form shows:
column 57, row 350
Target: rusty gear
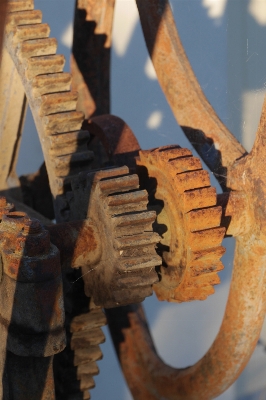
column 188, row 221
column 30, row 54
column 126, row 271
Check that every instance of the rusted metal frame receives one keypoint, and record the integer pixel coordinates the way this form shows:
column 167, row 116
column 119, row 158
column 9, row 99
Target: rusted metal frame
column 209, row 136
column 90, row 60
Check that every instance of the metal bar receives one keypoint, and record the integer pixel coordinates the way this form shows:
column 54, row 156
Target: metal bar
column 213, row 141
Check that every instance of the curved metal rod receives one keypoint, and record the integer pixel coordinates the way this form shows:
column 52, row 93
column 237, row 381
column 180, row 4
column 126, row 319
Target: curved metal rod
column 147, row 375
column 189, row 105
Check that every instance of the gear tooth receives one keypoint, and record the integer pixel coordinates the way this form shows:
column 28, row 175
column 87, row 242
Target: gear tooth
column 208, row 255
column 203, row 268
column 68, row 142
column 86, row 382
column 44, row 65
column 23, row 5
column 63, row 122
column 144, row 239
column 58, row 102
column 29, row 32
column 169, row 153
column 205, row 239
column 85, row 338
column 127, row 202
column 120, row 184
column 195, row 179
column 22, row 18
column 37, row 47
column 132, row 263
column 204, row 218
column 143, row 218
column 199, row 198
column 90, row 368
column 93, row 319
column 92, row 353
column 51, row 83
column 108, row 173
column 205, row 280
column 86, row 396
column 129, row 280
column 185, row 164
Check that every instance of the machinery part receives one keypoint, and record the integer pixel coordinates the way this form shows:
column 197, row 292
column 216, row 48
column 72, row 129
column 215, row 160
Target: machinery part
column 30, row 54
column 210, row 137
column 90, row 59
column 30, row 326
column 188, row 221
column 126, row 270
column 112, row 140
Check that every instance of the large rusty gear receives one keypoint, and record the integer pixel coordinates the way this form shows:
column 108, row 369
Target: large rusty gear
column 126, row 271
column 30, row 55
column 188, row 220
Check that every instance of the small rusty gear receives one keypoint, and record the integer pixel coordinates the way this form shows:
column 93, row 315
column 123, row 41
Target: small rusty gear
column 188, row 221
column 126, row 272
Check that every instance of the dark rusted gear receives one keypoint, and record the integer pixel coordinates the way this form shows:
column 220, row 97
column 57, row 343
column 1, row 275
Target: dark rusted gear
column 188, row 221
column 126, row 272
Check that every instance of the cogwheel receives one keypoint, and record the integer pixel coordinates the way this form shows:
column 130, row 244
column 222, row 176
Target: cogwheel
column 126, row 272
column 188, row 221
column 30, row 65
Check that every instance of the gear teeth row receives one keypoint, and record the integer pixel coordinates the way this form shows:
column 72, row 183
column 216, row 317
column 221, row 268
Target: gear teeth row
column 119, row 209
column 48, row 91
column 191, row 246
column 85, row 340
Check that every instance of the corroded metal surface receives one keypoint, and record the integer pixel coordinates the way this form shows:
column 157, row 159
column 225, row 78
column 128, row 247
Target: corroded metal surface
column 188, row 221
